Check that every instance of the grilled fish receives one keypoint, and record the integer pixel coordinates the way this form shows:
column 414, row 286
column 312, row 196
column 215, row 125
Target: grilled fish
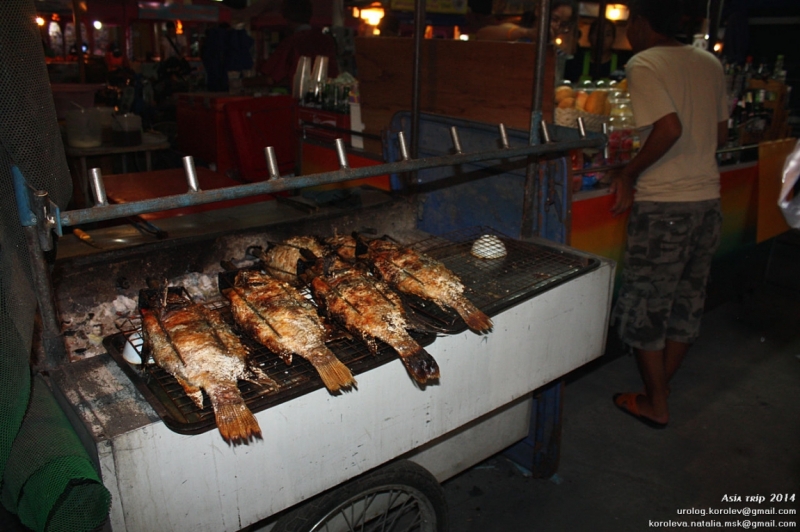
column 346, row 246
column 200, row 350
column 415, row 273
column 281, row 259
column 370, row 309
column 280, row 318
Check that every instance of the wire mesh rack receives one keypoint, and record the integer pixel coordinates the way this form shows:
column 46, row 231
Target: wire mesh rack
column 520, row 271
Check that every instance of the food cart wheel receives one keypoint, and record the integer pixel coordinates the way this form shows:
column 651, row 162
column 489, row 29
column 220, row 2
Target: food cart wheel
column 402, row 496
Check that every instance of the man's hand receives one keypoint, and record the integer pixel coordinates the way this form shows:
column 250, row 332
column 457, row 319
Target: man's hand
column 666, row 131
column 622, row 187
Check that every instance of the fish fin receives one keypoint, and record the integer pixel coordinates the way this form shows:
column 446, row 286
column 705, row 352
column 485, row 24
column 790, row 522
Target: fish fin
column 264, row 380
column 474, row 318
column 236, row 423
column 362, row 249
column 334, row 374
column 193, row 392
column 419, row 363
column 416, row 322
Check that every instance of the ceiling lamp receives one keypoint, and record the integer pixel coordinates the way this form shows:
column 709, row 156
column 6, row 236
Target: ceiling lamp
column 616, row 12
column 373, row 14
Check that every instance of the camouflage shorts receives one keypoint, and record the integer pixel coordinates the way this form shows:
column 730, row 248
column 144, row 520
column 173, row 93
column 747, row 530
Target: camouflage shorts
column 667, row 259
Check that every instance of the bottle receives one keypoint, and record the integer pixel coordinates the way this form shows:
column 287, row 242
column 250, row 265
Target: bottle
column 778, row 73
column 747, row 73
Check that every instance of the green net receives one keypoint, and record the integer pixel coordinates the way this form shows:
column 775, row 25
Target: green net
column 50, row 482
column 47, row 476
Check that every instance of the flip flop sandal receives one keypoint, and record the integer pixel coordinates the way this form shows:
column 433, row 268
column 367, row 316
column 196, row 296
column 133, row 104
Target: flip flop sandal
column 626, row 402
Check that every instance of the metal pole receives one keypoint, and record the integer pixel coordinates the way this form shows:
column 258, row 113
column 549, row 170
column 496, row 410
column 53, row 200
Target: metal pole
column 599, row 41
column 532, row 171
column 419, row 35
column 76, row 17
column 110, row 212
column 715, row 12
column 55, row 353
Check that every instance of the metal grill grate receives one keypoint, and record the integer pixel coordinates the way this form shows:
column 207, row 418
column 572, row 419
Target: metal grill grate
column 181, row 414
column 492, row 285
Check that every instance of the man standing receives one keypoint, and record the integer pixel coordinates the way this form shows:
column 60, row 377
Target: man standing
column 303, row 40
column 680, row 108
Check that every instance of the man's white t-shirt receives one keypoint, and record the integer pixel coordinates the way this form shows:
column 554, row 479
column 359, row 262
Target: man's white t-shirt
column 690, row 82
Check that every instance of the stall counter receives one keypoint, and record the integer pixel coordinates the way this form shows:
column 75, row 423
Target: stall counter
column 596, row 230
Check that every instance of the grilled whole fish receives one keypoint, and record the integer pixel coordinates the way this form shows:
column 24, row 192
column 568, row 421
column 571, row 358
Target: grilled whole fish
column 200, row 350
column 346, row 246
column 280, row 318
column 369, row 309
column 281, row 260
column 415, row 273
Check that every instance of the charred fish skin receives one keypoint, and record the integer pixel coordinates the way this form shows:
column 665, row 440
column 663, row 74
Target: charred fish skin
column 280, row 318
column 281, row 259
column 201, row 353
column 370, row 310
column 418, row 274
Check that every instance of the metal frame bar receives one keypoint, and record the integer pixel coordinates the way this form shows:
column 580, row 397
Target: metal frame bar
column 532, row 186
column 111, row 211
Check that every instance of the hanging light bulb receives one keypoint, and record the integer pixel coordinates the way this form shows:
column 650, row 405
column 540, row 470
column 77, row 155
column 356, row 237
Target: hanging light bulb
column 373, row 14
column 616, row 12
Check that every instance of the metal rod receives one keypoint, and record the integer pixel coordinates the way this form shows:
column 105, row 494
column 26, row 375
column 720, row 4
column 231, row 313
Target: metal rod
column 581, row 127
column 545, row 133
column 98, row 187
column 503, row 136
column 401, row 139
column 597, row 42
column 542, row 46
column 272, row 162
column 532, row 171
column 598, row 169
column 191, row 173
column 416, row 75
column 44, row 219
column 109, row 212
column 55, row 352
column 606, row 152
column 456, row 140
column 341, row 154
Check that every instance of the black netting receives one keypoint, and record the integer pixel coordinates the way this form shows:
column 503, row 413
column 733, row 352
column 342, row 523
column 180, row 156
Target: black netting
column 30, row 139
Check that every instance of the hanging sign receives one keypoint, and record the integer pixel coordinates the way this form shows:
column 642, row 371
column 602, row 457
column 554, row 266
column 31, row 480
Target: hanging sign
column 433, row 6
column 159, row 11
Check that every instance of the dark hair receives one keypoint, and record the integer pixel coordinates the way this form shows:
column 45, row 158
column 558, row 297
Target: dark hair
column 664, row 16
column 568, row 3
column 595, row 25
column 297, row 11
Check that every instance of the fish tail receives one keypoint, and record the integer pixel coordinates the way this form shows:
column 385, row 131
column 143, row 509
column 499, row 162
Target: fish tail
column 418, row 362
column 474, row 318
column 334, row 374
column 235, row 421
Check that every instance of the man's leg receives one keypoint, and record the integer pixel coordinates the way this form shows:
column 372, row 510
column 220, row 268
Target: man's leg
column 652, row 367
column 674, row 352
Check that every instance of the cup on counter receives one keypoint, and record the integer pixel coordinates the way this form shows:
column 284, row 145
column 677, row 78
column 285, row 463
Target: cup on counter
column 84, row 129
column 126, row 130
column 302, row 77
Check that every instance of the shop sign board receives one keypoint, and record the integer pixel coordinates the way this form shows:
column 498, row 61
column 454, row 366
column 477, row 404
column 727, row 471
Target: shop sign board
column 159, row 11
column 433, row 6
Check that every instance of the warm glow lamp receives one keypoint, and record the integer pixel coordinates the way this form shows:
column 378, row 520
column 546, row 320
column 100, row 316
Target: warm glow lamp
column 616, row 12
column 372, row 15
